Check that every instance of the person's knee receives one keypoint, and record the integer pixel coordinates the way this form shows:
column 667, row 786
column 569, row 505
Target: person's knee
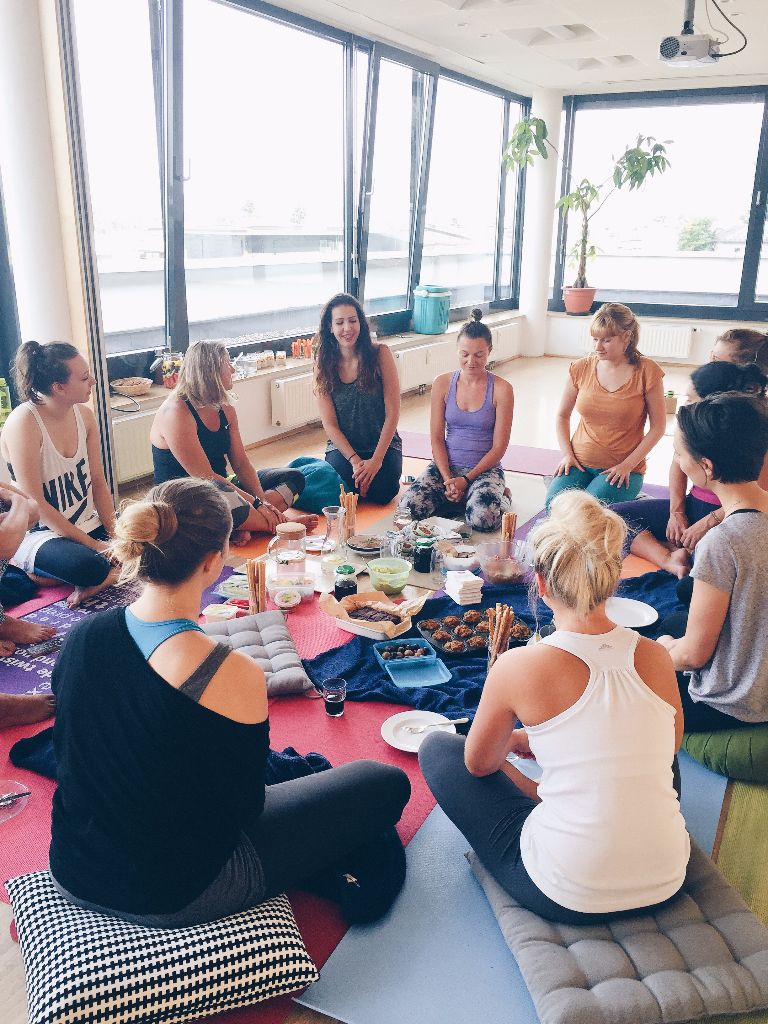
column 439, row 754
column 387, row 786
column 92, row 571
column 295, row 480
column 484, row 518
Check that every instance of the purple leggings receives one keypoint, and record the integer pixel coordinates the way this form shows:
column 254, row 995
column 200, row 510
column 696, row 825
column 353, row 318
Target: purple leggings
column 652, row 514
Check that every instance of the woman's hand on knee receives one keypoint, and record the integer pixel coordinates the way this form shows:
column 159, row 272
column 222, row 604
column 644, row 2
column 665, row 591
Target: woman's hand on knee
column 567, row 463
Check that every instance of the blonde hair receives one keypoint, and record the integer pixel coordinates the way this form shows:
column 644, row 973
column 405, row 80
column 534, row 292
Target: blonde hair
column 615, row 316
column 577, row 551
column 200, row 375
column 165, row 537
column 747, row 346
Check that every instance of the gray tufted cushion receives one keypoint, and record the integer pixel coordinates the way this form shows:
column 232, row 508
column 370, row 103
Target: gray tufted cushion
column 266, row 639
column 704, row 954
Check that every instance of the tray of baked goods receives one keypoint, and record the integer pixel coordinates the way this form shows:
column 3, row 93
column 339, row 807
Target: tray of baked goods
column 470, row 633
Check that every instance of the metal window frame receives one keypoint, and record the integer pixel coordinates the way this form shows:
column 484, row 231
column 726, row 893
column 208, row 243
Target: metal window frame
column 747, row 307
column 10, row 330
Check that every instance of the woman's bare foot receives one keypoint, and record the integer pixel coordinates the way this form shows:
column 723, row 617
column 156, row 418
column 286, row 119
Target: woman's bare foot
column 21, row 632
column 80, row 594
column 307, row 519
column 7, row 647
column 25, row 709
column 678, row 563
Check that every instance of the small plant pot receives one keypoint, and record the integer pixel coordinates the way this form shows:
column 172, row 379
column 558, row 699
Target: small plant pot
column 578, row 301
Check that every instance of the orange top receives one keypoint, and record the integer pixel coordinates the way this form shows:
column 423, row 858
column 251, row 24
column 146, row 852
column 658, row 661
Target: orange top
column 612, row 423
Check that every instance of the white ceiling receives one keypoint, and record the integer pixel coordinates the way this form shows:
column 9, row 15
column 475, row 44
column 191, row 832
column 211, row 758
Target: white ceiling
column 571, row 46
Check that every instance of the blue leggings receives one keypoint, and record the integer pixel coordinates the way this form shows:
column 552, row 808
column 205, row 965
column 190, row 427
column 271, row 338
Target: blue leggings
column 652, row 514
column 71, row 562
column 593, row 481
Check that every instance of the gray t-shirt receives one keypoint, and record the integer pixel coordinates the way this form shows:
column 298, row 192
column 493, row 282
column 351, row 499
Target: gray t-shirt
column 733, row 558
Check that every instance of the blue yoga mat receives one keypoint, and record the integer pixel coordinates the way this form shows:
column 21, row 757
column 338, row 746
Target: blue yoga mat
column 439, row 957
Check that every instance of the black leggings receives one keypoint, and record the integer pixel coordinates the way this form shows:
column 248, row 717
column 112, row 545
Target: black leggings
column 384, row 486
column 288, row 482
column 490, row 812
column 697, row 716
column 71, row 562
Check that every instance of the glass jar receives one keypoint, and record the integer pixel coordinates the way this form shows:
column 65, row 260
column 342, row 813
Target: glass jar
column 288, row 549
column 422, row 555
column 335, row 535
column 344, row 582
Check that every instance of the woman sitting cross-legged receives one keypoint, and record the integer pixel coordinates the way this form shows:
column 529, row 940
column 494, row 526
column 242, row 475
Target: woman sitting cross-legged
column 601, row 834
column 721, row 641
column 161, row 815
column 52, row 447
column 615, row 391
column 470, row 425
column 195, row 432
column 668, row 530
column 358, row 392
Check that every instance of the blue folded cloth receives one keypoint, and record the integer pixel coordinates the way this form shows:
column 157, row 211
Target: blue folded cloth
column 367, row 680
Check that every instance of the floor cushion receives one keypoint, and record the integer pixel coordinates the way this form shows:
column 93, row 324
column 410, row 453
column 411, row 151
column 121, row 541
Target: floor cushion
column 322, row 484
column 82, row 967
column 265, row 638
column 738, row 753
column 704, row 954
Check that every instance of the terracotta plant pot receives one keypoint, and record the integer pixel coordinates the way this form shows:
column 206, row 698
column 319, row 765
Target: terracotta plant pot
column 578, row 300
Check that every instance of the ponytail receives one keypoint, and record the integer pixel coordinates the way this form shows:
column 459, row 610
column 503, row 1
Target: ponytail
column 37, row 368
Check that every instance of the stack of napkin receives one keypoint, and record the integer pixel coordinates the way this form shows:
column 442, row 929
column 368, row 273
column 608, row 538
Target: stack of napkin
column 463, row 587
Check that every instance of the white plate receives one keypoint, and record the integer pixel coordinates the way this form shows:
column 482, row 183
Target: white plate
column 394, row 733
column 316, row 545
column 444, row 526
column 626, row 612
column 352, row 627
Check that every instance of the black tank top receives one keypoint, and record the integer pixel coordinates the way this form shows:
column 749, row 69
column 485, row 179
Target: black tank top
column 215, row 444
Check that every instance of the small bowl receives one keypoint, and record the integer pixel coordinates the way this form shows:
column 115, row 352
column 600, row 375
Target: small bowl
column 132, row 387
column 504, row 561
column 303, row 585
column 389, row 575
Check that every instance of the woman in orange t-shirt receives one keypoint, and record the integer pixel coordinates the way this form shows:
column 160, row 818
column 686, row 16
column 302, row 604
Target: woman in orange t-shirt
column 615, row 391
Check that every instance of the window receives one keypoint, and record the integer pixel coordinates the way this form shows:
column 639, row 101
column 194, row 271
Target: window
column 120, row 131
column 463, row 193
column 510, row 225
column 680, row 241
column 264, row 153
column 762, row 268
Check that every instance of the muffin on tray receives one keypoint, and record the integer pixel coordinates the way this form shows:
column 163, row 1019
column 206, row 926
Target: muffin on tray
column 441, row 635
column 462, row 632
column 429, row 624
column 471, row 617
column 450, row 621
column 456, row 646
column 477, row 643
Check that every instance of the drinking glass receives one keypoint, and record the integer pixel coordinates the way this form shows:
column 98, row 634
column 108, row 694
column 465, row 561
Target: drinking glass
column 334, row 695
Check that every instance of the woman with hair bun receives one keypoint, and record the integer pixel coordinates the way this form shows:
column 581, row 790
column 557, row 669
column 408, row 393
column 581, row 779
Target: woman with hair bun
column 666, row 531
column 470, row 425
column 601, row 835
column 161, row 816
column 52, row 447
column 720, row 646
column 358, row 392
column 195, row 433
column 742, row 346
column 615, row 391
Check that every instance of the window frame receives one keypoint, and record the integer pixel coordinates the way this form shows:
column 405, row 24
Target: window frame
column 747, row 307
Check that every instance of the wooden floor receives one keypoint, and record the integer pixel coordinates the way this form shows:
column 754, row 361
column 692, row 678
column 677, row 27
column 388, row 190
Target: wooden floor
column 538, row 384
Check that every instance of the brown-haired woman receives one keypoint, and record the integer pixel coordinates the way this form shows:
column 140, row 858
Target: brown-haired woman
column 358, row 392
column 161, row 815
column 195, row 433
column 742, row 346
column 52, row 447
column 615, row 390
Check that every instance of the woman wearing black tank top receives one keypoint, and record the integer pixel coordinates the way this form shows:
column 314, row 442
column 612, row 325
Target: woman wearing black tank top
column 196, row 433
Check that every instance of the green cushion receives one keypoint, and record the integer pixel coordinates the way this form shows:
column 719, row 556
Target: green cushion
column 738, row 753
column 322, row 484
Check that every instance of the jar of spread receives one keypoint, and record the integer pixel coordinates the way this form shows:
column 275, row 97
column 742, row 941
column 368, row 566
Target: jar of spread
column 422, row 555
column 344, row 582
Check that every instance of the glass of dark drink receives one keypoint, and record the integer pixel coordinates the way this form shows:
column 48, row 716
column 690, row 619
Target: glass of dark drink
column 334, row 695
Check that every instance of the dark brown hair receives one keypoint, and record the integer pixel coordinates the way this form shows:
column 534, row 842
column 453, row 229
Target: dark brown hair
column 326, row 349
column 165, row 537
column 748, row 346
column 37, row 368
column 474, row 330
column 730, row 430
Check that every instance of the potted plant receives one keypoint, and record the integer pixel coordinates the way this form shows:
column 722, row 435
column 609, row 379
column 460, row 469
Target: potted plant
column 645, row 158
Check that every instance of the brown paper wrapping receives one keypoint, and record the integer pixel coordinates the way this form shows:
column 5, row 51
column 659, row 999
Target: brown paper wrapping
column 344, row 610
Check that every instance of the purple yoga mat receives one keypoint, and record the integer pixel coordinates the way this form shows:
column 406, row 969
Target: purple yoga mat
column 648, row 491
column 517, row 458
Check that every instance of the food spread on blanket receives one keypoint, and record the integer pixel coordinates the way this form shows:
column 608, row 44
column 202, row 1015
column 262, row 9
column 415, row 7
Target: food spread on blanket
column 468, row 633
column 373, row 607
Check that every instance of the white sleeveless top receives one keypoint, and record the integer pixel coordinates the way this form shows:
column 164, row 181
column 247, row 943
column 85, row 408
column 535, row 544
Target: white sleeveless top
column 608, row 834
column 67, row 487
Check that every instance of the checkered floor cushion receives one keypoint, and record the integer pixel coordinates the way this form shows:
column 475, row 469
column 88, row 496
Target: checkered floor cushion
column 82, row 967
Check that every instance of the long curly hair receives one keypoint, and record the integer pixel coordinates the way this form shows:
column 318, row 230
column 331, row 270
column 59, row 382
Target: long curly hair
column 326, row 349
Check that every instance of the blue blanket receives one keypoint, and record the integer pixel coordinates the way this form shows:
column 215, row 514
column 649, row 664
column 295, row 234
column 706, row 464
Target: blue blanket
column 367, row 680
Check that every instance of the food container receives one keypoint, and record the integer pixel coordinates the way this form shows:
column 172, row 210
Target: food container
column 304, row 586
column 505, row 561
column 389, row 575
column 288, row 550
column 428, row 658
column 220, row 612
column 344, row 612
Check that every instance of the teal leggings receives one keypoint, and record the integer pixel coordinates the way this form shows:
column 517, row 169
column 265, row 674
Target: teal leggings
column 596, row 483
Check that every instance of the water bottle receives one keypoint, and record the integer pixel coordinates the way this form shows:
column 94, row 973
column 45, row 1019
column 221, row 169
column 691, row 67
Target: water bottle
column 5, row 401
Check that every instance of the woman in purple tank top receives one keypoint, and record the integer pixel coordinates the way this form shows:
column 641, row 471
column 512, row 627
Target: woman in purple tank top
column 470, row 424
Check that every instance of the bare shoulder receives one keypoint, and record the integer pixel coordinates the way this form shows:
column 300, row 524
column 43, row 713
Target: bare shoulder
column 651, row 659
column 384, row 352
column 501, row 387
column 442, row 382
column 537, row 661
column 21, row 428
column 231, row 413
column 238, row 690
column 89, row 419
column 174, row 408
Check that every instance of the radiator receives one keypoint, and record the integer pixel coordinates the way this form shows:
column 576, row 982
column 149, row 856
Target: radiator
column 132, row 446
column 412, row 367
column 293, row 402
column 441, row 357
column 667, row 341
column 505, row 341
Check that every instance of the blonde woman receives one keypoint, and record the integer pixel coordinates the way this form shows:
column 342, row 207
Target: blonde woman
column 601, row 835
column 616, row 390
column 195, row 433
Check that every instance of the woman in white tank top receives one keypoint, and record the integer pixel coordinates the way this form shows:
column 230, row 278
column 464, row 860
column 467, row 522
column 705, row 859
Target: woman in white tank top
column 51, row 445
column 601, row 834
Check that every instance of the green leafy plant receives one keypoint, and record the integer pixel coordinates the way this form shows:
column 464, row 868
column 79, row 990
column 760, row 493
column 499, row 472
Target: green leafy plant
column 697, row 235
column 530, row 139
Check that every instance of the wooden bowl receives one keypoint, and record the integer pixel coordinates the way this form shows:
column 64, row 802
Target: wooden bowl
column 132, row 387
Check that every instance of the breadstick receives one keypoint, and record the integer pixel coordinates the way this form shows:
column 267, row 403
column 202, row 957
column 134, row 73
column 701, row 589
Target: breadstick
column 252, row 589
column 262, row 583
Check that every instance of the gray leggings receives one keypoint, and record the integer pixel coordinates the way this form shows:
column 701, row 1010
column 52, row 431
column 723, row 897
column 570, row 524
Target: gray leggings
column 483, row 505
column 490, row 812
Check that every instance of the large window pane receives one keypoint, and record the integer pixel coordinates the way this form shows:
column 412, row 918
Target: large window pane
column 680, row 239
column 264, row 146
column 463, row 193
column 761, row 292
column 115, row 69
column 511, row 185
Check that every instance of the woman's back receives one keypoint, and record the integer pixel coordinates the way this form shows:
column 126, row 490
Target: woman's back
column 608, row 834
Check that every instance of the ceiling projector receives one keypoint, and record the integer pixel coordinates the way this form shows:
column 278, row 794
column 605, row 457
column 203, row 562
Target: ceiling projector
column 689, row 49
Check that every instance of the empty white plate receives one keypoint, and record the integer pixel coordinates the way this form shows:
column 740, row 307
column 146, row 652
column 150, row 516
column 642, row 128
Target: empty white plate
column 626, row 612
column 395, row 730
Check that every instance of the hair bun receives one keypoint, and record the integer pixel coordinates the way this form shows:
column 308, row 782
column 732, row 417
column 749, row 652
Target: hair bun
column 477, row 313
column 167, row 523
